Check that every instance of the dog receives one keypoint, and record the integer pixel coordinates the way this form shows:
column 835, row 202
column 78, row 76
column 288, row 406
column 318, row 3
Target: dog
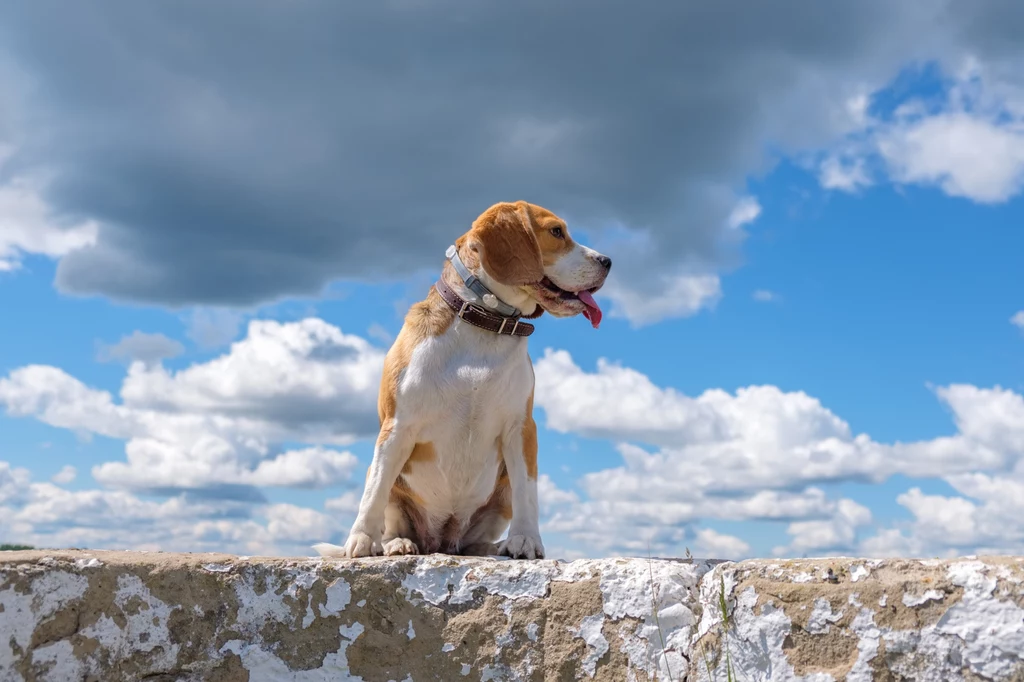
column 455, row 463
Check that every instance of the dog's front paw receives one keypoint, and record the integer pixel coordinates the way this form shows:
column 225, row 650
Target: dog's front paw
column 360, row 545
column 399, row 547
column 522, row 547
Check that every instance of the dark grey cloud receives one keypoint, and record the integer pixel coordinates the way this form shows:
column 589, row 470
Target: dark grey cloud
column 236, row 152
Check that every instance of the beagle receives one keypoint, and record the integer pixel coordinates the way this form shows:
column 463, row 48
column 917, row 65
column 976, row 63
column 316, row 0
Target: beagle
column 455, row 463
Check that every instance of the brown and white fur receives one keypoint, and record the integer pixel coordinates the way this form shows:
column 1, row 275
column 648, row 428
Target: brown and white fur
column 455, row 463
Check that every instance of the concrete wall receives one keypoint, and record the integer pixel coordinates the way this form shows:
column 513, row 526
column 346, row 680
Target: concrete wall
column 107, row 616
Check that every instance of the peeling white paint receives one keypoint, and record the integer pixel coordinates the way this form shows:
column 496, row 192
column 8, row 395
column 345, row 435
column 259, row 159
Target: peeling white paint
column 868, row 636
column 339, row 595
column 20, row 613
column 982, row 630
column 91, row 562
column 911, row 600
column 300, row 578
column 504, row 639
column 754, row 641
column 494, row 672
column 145, row 626
column 264, row 666
column 255, row 609
column 660, row 594
column 438, row 581
column 992, row 629
column 591, row 631
column 858, row 572
column 822, row 617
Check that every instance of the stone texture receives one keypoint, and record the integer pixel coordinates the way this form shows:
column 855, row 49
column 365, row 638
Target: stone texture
column 106, row 616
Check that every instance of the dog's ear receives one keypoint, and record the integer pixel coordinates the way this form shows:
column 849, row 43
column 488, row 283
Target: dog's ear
column 503, row 238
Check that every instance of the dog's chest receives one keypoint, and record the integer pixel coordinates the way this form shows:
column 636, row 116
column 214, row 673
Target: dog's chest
column 460, row 393
column 471, row 380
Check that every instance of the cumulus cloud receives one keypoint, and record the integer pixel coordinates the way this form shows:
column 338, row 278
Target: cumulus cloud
column 66, row 475
column 217, row 425
column 13, row 482
column 681, row 295
column 844, row 174
column 986, row 518
column 29, row 226
column 964, row 154
column 45, row 515
column 209, row 436
column 968, row 144
column 141, row 347
column 759, row 453
column 219, row 173
column 711, row 543
column 765, row 296
column 836, row 533
column 151, row 467
column 1018, row 320
column 746, row 211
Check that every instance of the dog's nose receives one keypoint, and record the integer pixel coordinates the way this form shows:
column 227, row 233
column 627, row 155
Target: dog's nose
column 605, row 261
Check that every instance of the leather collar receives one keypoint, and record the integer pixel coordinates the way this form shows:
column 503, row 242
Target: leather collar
column 478, row 317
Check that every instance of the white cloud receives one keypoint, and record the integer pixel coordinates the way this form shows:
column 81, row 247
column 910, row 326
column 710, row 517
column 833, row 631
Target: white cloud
column 27, row 225
column 347, row 503
column 710, row 543
column 758, row 453
column 836, row 533
column 960, row 152
column 970, row 144
column 150, row 465
column 845, row 174
column 309, row 468
column 745, row 212
column 13, row 482
column 765, row 296
column 681, row 295
column 216, row 423
column 755, row 454
column 141, row 347
column 988, row 518
column 1018, row 320
column 66, row 475
column 44, row 515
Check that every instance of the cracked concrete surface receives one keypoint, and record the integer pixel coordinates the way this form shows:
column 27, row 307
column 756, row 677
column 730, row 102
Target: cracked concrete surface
column 94, row 615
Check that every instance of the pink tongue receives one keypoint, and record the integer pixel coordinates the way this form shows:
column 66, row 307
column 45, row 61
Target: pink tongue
column 593, row 311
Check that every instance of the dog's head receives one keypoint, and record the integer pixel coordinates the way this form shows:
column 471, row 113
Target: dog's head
column 525, row 253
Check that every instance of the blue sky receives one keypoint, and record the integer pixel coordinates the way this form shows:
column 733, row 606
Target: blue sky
column 815, row 338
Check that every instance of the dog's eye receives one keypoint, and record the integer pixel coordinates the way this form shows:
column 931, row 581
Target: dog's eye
column 557, row 233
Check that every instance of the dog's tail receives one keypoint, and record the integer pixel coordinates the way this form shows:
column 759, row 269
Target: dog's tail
column 329, row 550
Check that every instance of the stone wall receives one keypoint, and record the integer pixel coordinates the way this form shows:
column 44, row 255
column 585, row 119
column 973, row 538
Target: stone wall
column 107, row 616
